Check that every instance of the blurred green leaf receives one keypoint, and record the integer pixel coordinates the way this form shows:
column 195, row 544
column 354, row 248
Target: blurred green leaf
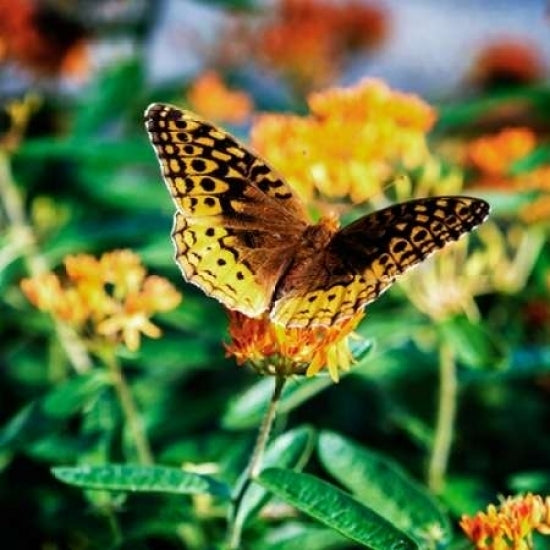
column 473, row 344
column 464, row 113
column 384, row 486
column 539, row 157
column 144, row 479
column 102, row 152
column 248, row 409
column 289, row 450
column 336, row 509
column 113, row 92
column 466, row 495
column 50, row 413
column 531, row 481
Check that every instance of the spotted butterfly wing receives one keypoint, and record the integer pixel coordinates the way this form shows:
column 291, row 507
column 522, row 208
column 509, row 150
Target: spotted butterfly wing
column 363, row 259
column 237, row 224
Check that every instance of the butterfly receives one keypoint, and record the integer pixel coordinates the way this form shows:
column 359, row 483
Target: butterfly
column 242, row 235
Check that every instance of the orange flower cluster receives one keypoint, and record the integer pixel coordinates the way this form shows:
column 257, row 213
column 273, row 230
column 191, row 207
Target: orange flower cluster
column 510, row 526
column 212, row 99
column 276, row 350
column 111, row 297
column 349, row 145
column 41, row 39
column 494, row 156
column 508, row 61
column 309, row 38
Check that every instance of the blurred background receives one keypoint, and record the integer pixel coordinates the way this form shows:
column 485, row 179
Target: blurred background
column 77, row 175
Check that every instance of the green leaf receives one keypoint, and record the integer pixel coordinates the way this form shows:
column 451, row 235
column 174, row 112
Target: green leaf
column 297, row 536
column 383, row 485
column 289, row 450
column 335, row 509
column 50, row 413
column 474, row 345
column 142, row 479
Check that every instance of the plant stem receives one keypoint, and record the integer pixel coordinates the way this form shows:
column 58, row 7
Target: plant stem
column 36, row 264
column 129, row 409
column 446, row 414
column 255, row 463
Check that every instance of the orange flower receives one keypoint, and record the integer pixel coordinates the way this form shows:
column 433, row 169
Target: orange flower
column 211, row 98
column 42, row 39
column 494, row 155
column 510, row 526
column 326, row 31
column 350, row 143
column 508, row 61
column 273, row 349
column 111, row 297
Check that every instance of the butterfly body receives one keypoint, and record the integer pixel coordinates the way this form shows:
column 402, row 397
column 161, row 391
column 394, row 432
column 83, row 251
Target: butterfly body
column 243, row 236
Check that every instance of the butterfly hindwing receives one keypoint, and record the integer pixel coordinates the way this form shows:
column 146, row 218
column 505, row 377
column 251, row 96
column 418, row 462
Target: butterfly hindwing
column 363, row 259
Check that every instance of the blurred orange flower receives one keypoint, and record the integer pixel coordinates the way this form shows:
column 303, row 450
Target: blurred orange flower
column 507, row 61
column 273, row 349
column 309, row 39
column 212, row 99
column 111, row 297
column 350, row 144
column 510, row 525
column 495, row 154
column 42, row 39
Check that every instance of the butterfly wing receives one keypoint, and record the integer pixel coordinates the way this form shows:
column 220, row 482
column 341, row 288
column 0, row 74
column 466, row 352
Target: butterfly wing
column 363, row 259
column 237, row 223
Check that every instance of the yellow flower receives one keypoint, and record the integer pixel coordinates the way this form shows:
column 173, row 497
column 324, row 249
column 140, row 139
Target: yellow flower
column 212, row 99
column 510, row 525
column 272, row 349
column 350, row 144
column 110, row 298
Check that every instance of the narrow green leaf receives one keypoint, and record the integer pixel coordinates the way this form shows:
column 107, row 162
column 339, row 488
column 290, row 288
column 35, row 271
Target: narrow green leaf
column 335, row 509
column 383, row 485
column 143, row 479
column 289, row 450
column 44, row 416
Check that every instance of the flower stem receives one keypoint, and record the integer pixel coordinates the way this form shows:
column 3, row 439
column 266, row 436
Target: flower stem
column 255, row 464
column 129, row 409
column 446, row 414
column 24, row 239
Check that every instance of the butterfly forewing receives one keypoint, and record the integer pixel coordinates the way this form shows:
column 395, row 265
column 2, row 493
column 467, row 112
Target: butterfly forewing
column 363, row 259
column 237, row 223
